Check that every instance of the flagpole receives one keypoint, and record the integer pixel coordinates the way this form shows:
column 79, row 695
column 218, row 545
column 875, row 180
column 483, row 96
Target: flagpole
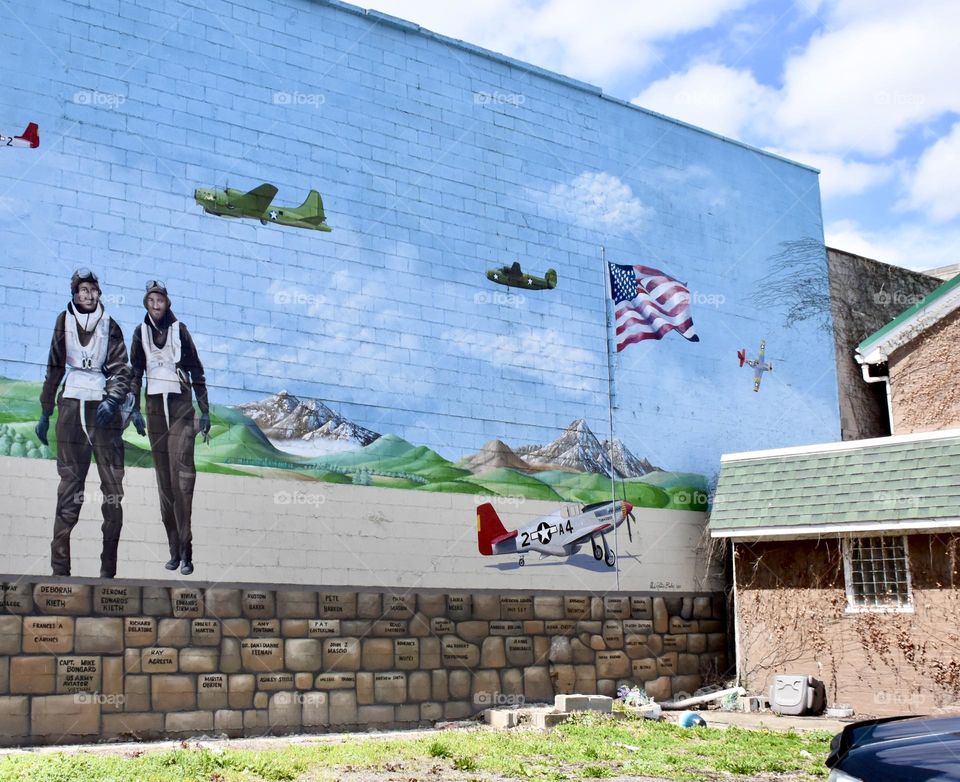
column 606, row 342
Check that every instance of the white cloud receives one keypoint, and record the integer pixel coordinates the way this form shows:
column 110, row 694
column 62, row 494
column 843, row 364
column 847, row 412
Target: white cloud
column 935, row 185
column 879, row 69
column 600, row 200
column 724, row 100
column 598, row 43
column 913, row 246
column 840, row 177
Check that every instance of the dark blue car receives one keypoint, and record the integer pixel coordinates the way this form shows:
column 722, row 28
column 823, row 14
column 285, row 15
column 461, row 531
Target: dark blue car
column 897, row 749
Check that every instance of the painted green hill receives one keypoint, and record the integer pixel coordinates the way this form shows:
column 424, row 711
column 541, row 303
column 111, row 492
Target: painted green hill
column 510, row 483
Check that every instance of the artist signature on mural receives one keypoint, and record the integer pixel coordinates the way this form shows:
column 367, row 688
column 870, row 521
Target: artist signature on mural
column 665, row 585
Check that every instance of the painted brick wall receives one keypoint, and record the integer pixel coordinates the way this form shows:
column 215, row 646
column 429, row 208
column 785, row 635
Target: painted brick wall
column 436, row 161
column 128, row 660
column 289, row 532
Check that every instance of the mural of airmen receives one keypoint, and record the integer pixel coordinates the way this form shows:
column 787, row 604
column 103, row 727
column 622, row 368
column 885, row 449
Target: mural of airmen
column 88, row 354
column 163, row 350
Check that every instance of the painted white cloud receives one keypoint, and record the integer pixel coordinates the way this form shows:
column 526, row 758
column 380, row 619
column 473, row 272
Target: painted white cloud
column 839, row 176
column 728, row 101
column 600, row 200
column 934, row 188
column 544, row 355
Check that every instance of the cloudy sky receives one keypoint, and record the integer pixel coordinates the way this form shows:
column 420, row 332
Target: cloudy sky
column 865, row 90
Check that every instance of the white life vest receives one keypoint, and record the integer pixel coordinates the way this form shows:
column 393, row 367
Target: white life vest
column 83, row 376
column 162, row 377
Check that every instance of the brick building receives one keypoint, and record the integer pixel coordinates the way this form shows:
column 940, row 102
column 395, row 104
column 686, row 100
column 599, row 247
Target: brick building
column 846, row 554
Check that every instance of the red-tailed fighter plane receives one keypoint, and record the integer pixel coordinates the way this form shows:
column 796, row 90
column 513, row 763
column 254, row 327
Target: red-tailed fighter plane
column 759, row 367
column 553, row 535
column 29, row 138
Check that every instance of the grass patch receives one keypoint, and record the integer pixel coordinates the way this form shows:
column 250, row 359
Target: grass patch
column 586, row 747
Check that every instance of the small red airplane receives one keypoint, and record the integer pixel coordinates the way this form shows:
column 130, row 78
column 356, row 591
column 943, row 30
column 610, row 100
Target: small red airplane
column 29, row 138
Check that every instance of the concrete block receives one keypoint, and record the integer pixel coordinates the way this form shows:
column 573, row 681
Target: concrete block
column 58, row 599
column 136, row 693
column 296, row 604
column 64, row 718
column 283, row 712
column 205, row 632
column 228, row 722
column 188, row 723
column 193, row 660
column 46, row 634
column 303, row 654
column 258, row 604
column 10, row 631
column 173, row 632
column 33, row 675
column 139, row 631
column 240, row 690
column 223, row 604
column 14, row 719
column 172, row 693
column 116, row 600
column 132, row 727
column 187, row 603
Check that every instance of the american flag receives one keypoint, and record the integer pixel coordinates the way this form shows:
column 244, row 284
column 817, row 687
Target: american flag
column 647, row 304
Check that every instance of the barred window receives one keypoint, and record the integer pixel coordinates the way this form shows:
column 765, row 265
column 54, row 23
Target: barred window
column 877, row 573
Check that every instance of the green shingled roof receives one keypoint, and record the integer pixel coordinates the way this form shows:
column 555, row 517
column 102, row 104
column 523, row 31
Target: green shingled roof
column 909, row 312
column 878, row 481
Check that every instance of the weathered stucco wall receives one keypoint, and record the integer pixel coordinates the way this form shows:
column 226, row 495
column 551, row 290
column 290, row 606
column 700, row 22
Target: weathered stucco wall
column 923, row 378
column 108, row 660
column 791, row 619
column 865, row 295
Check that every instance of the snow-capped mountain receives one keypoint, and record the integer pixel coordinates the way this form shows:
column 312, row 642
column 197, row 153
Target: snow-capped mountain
column 628, row 465
column 289, row 421
column 579, row 449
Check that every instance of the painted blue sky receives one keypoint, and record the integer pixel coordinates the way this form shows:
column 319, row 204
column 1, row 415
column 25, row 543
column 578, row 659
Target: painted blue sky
column 436, row 163
column 864, row 90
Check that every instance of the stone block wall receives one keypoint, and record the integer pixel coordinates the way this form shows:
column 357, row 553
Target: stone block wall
column 117, row 660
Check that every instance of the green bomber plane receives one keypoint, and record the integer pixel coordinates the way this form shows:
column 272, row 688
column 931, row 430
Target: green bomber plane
column 257, row 205
column 515, row 277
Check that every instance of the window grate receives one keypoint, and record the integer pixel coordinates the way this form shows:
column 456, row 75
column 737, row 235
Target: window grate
column 878, row 573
